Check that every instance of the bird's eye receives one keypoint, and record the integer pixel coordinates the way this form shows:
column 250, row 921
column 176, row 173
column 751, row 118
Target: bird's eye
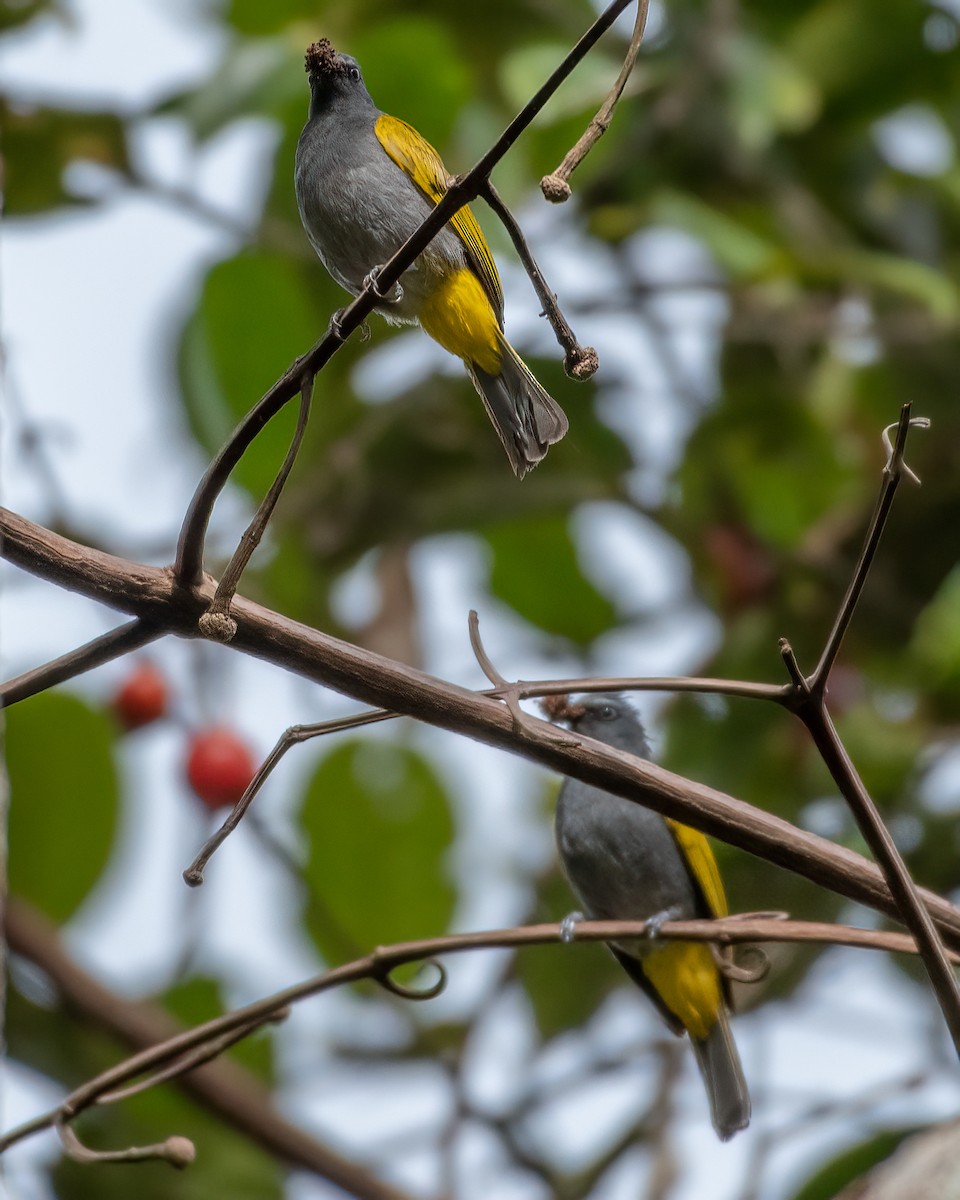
column 607, row 712
column 354, row 74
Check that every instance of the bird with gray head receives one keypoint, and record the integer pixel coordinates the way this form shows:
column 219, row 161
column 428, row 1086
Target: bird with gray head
column 365, row 181
column 625, row 862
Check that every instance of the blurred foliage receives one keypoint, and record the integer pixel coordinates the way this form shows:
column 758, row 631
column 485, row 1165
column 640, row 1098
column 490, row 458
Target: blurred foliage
column 809, row 151
column 64, row 800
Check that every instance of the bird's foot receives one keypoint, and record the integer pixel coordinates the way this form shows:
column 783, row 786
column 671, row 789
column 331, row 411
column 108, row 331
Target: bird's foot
column 372, row 281
column 654, row 924
column 335, row 326
column 568, row 926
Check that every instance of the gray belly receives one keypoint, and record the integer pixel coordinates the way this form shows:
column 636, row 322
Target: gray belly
column 358, row 216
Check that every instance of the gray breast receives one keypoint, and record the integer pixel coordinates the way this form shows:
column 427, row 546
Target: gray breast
column 358, row 207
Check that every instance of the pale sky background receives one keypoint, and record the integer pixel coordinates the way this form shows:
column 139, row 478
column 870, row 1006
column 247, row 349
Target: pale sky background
column 84, row 289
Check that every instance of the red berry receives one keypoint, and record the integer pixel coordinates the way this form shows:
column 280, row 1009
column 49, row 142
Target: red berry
column 219, row 766
column 142, row 697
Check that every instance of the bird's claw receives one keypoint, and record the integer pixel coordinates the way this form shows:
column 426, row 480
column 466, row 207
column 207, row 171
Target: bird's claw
column 335, row 327
column 372, row 281
column 654, row 924
column 568, row 926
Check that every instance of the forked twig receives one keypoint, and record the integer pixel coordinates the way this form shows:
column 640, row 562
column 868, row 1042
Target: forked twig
column 809, row 704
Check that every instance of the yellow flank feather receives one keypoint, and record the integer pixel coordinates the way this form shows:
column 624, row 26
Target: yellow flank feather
column 459, row 316
column 703, row 866
column 415, row 156
column 687, row 981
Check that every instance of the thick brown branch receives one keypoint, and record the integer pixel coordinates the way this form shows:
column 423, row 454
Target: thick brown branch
column 381, row 682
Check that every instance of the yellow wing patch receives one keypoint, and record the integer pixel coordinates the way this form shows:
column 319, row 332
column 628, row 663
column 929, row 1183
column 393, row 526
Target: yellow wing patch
column 415, row 156
column 703, row 866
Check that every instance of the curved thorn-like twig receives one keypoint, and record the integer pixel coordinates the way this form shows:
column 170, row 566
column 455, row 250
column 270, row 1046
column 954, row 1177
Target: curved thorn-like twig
column 556, row 185
column 507, row 692
column 177, row 1151
column 895, row 461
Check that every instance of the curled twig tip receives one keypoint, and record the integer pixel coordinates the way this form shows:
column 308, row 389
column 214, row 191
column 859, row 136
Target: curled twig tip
column 408, row 992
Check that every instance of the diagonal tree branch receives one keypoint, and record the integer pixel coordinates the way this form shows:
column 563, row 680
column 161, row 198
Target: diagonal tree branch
column 381, row 682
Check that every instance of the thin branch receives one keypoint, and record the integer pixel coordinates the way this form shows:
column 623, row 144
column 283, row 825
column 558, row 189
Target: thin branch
column 556, row 186
column 189, row 562
column 224, row 1088
column 294, row 736
column 379, row 965
column 101, row 650
column 521, row 690
column 375, row 680
column 216, row 622
column 892, row 473
column 579, row 362
column 810, row 706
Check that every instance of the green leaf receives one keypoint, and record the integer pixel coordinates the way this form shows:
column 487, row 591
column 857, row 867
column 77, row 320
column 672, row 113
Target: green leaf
column 64, row 800
column 380, row 829
column 254, row 78
column 535, row 570
column 39, row 144
column 850, row 1164
column 256, row 314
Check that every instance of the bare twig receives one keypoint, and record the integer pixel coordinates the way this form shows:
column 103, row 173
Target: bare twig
column 177, row 1151
column 103, row 649
column 189, row 562
column 378, row 965
column 556, row 186
column 293, row 736
column 216, row 622
column 579, row 362
column 810, row 706
column 224, row 1088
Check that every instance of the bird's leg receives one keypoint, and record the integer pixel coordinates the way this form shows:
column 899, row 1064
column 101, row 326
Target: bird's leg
column 569, row 924
column 654, row 924
column 371, row 281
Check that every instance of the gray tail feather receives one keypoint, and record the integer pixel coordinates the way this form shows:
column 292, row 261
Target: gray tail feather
column 526, row 419
column 722, row 1074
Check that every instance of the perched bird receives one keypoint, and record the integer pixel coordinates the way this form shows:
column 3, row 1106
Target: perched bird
column 364, row 182
column 625, row 862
